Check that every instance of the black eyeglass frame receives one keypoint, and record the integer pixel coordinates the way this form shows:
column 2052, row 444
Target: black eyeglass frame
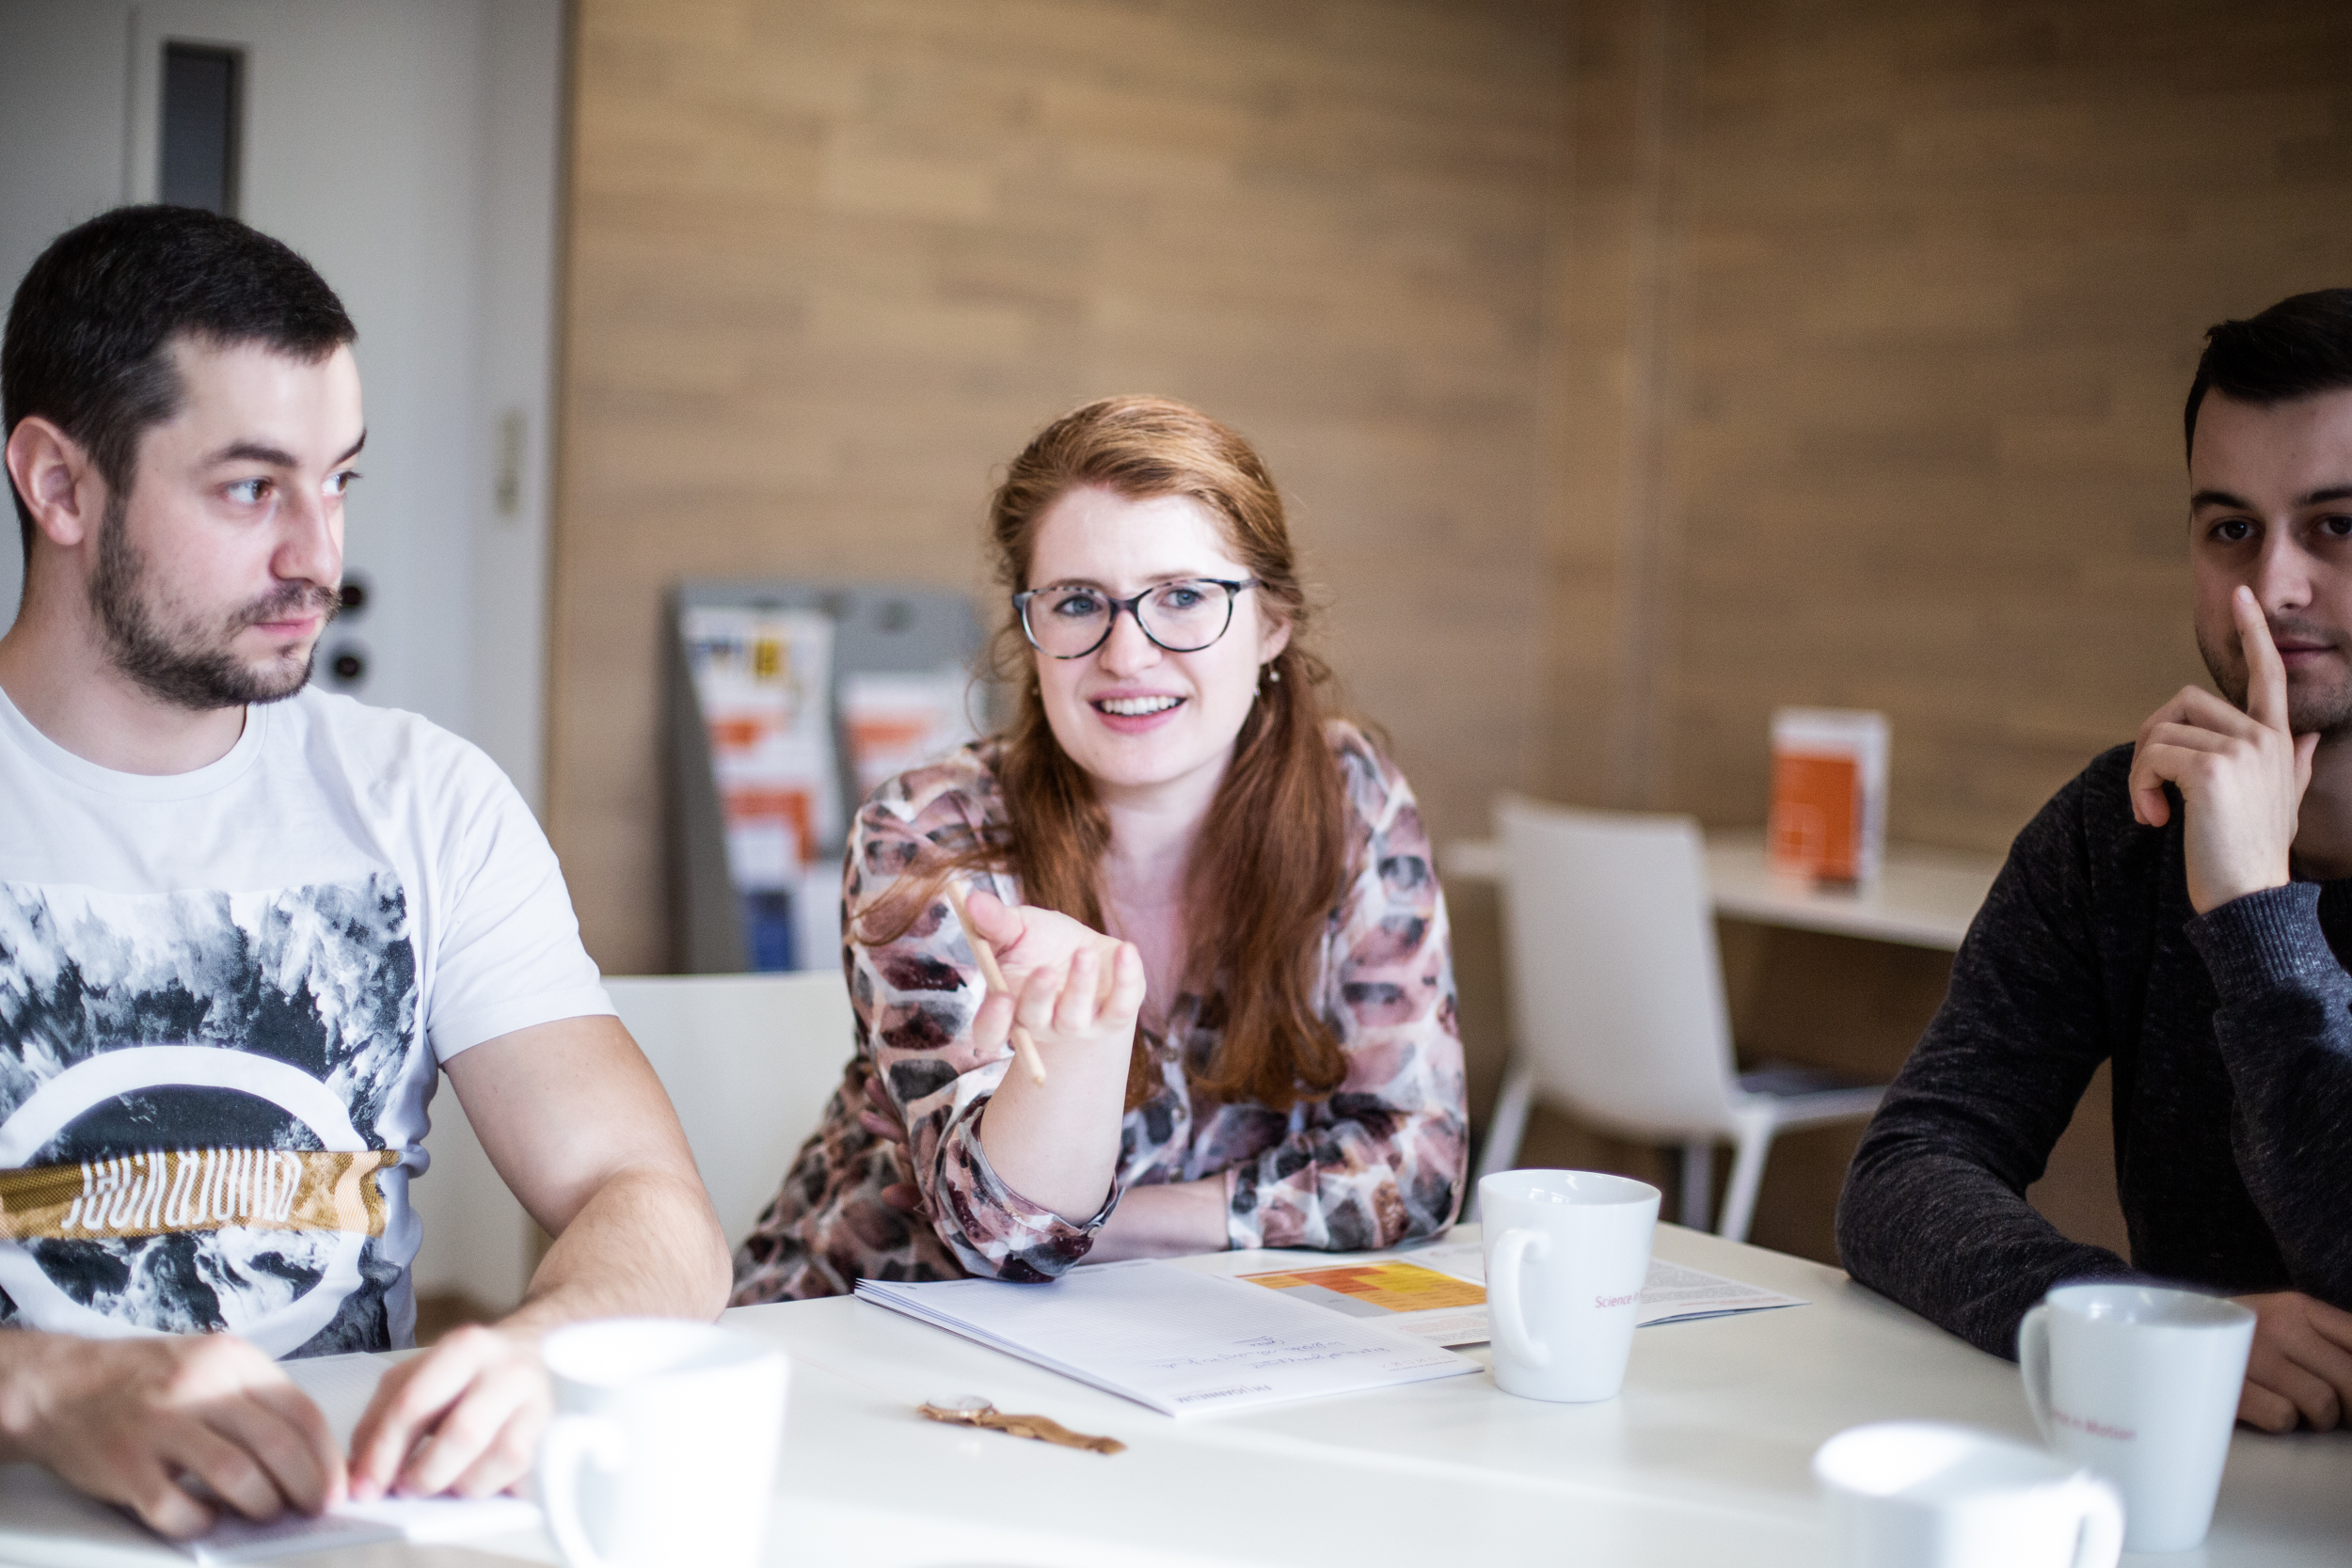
column 1132, row 606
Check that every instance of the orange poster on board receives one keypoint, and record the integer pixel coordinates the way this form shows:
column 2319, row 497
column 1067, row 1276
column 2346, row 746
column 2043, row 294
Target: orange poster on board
column 785, row 811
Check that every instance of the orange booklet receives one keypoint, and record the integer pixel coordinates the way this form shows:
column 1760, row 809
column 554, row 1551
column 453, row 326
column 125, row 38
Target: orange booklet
column 1829, row 794
column 1817, row 814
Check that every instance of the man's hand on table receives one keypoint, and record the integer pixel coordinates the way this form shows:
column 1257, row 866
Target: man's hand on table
column 580, row 1126
column 2241, row 775
column 2301, row 1365
column 464, row 1418
column 139, row 1421
column 128, row 1421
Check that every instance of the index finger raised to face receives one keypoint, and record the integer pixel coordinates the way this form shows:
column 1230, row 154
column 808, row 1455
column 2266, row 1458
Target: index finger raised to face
column 2266, row 673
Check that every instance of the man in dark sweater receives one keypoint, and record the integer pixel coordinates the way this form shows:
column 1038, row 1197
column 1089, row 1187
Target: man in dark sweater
column 2183, row 909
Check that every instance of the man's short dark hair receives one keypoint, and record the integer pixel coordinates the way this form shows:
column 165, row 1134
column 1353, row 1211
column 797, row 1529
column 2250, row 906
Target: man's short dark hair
column 90, row 330
column 2299, row 346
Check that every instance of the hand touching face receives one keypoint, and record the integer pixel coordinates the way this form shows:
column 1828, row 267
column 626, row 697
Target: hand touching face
column 2271, row 513
column 2241, row 774
column 2271, row 553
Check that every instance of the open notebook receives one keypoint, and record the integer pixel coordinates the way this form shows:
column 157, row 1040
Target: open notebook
column 1178, row 1342
column 44, row 1522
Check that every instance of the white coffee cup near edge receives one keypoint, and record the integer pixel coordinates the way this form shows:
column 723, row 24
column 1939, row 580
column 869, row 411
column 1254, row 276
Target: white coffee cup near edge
column 2140, row 1383
column 1929, row 1495
column 1567, row 1253
column 682, row 1423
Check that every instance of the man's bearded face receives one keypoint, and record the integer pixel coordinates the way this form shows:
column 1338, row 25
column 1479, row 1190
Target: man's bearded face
column 183, row 653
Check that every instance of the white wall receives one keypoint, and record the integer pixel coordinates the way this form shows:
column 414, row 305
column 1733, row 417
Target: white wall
column 61, row 92
column 519, row 111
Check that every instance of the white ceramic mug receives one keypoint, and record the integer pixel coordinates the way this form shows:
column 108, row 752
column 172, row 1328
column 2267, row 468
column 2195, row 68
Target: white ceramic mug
column 682, row 1421
column 1925, row 1495
column 1567, row 1252
column 2140, row 1383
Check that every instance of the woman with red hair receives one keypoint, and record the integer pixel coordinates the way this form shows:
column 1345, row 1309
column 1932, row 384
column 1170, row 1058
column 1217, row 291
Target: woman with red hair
column 1213, row 903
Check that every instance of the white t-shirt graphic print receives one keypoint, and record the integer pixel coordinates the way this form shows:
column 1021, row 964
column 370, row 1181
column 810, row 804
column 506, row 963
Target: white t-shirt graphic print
column 224, row 999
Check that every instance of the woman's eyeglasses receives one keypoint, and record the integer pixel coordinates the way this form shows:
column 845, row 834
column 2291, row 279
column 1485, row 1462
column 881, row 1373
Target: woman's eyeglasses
column 1071, row 620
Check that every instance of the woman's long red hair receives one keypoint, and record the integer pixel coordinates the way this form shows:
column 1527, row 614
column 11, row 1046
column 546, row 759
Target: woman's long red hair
column 1270, row 863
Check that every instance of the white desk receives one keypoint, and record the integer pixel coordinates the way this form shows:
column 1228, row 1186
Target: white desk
column 1923, row 899
column 1702, row 1459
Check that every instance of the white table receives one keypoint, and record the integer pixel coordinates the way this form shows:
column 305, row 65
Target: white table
column 1923, row 898
column 1702, row 1459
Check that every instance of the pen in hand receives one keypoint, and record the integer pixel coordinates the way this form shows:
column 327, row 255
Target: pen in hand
column 1022, row 1046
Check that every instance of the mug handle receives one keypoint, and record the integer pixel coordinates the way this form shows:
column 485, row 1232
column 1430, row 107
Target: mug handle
column 1503, row 1296
column 2102, row 1540
column 571, row 1442
column 2033, row 1365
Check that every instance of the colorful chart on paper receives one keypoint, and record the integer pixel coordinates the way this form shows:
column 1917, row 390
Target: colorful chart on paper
column 1390, row 1287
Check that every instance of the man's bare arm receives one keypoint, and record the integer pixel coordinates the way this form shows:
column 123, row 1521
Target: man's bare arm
column 578, row 1126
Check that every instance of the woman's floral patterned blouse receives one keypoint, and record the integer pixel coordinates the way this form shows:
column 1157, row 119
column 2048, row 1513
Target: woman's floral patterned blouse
column 1379, row 1160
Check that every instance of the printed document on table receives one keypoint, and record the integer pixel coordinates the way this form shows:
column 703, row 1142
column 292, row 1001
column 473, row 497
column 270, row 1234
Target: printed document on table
column 1178, row 1342
column 1439, row 1292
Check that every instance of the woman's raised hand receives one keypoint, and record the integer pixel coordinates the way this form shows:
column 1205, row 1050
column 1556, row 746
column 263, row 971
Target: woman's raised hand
column 1071, row 986
column 1078, row 993
column 1028, row 940
column 1087, row 1006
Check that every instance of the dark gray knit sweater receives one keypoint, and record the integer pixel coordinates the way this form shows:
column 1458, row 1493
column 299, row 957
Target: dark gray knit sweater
column 2232, row 1037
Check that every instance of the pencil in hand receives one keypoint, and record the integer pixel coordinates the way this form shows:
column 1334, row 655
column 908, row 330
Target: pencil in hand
column 1022, row 1046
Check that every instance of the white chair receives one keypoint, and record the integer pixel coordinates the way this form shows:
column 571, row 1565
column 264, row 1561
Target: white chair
column 749, row 1061
column 1618, row 1003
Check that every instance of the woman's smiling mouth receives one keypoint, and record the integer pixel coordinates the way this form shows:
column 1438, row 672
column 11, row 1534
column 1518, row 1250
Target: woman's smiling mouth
column 1136, row 713
column 1135, row 707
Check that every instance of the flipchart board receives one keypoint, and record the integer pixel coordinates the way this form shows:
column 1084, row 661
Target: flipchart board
column 786, row 702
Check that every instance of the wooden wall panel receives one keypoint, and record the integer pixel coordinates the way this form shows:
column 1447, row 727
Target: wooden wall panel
column 1635, row 366
column 833, row 260
column 1608, row 609
column 1944, row 274
column 1872, row 328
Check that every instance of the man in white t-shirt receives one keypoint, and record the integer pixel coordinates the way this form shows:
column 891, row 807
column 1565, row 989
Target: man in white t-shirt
column 244, row 926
